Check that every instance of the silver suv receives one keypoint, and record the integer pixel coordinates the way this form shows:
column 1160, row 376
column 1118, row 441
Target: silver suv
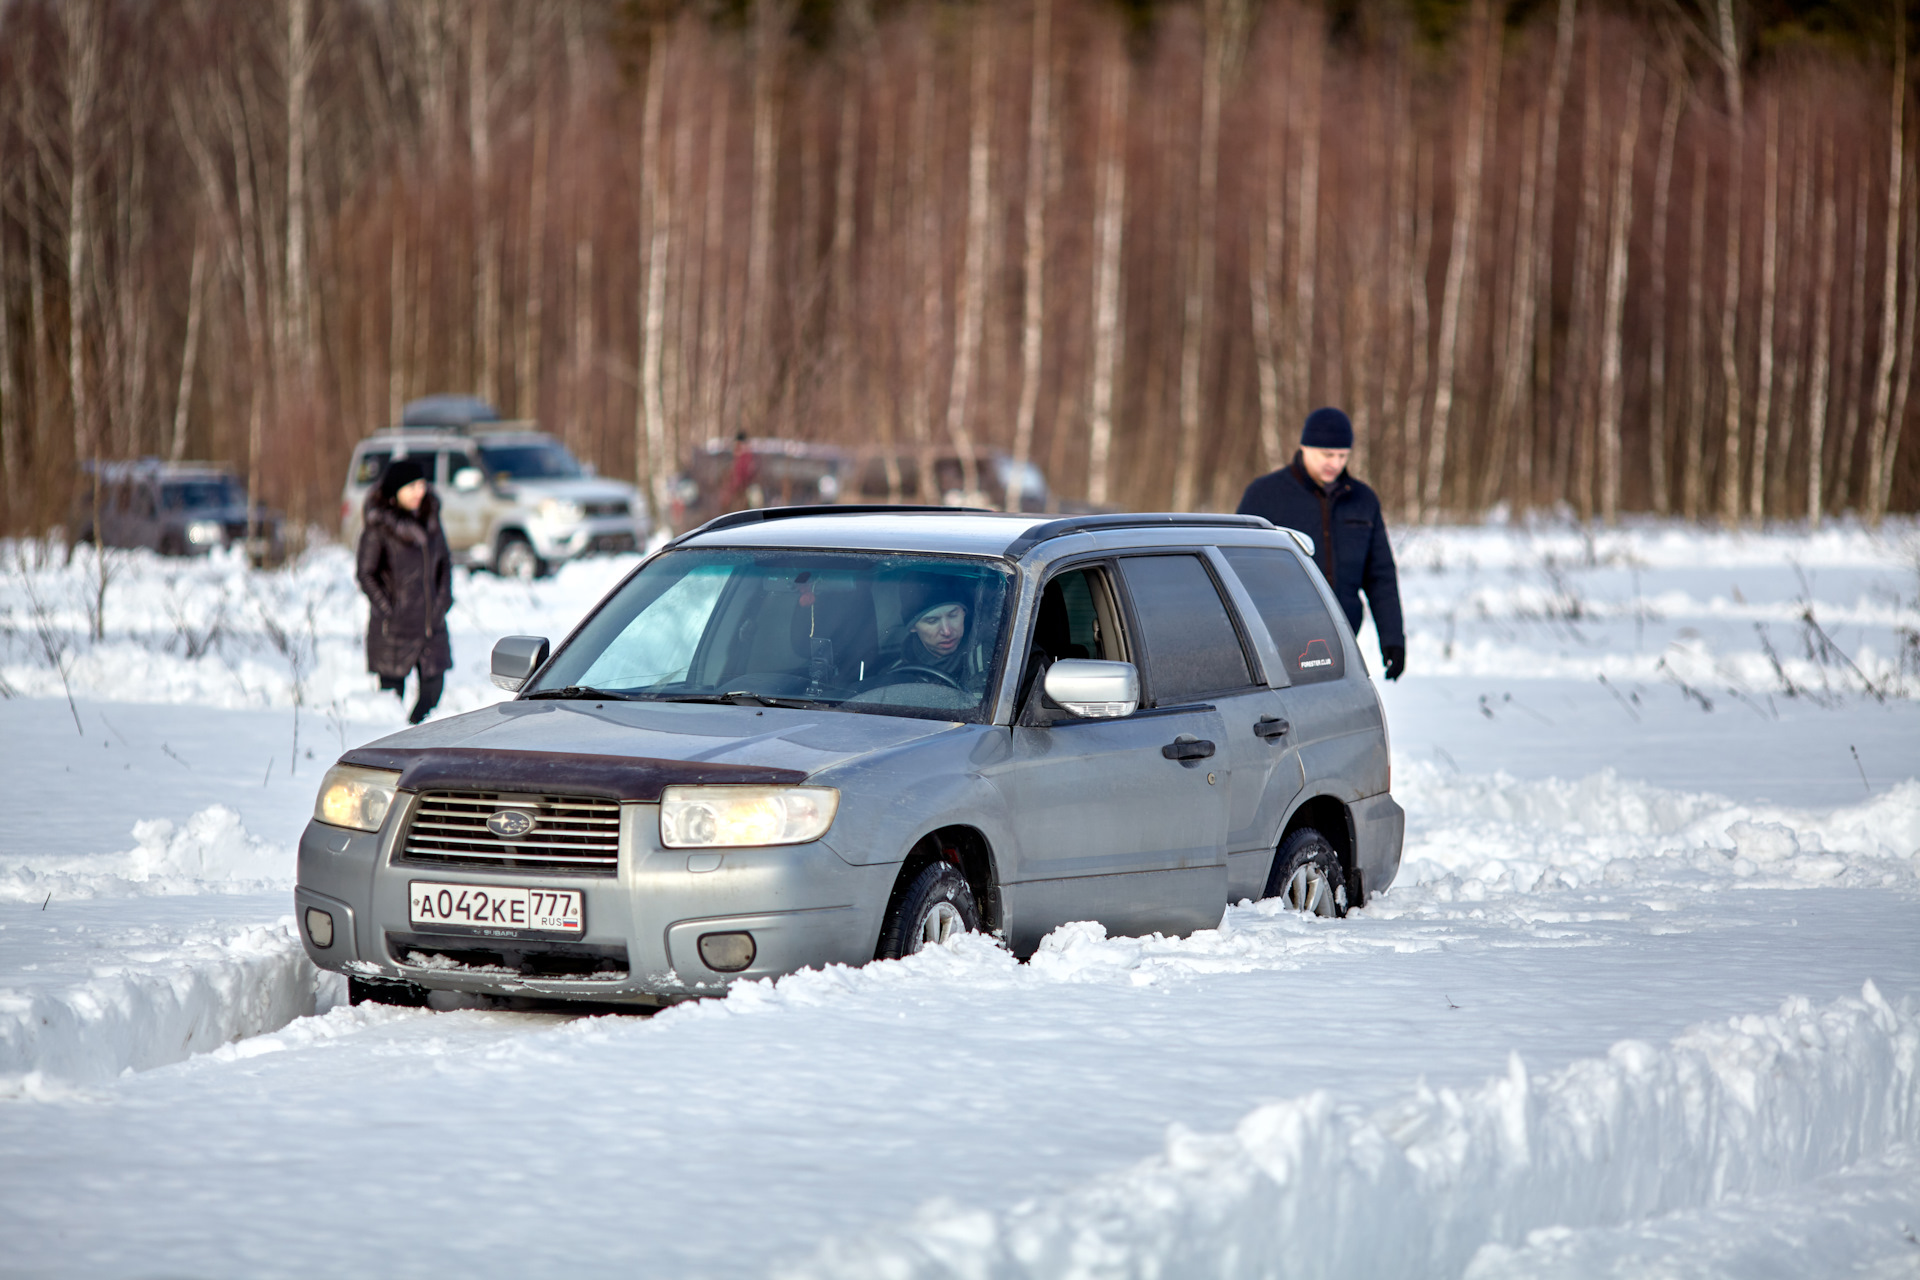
column 512, row 498
column 806, row 736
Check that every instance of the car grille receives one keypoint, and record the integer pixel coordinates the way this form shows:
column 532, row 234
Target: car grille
column 607, row 543
column 617, row 507
column 570, row 833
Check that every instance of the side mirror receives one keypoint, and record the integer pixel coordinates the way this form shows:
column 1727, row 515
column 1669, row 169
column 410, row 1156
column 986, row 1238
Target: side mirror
column 1093, row 689
column 467, row 479
column 516, row 658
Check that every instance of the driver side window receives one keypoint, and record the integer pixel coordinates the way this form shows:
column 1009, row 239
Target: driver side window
column 1077, row 618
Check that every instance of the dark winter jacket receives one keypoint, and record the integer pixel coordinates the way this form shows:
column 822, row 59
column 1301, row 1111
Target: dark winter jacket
column 407, row 573
column 1349, row 539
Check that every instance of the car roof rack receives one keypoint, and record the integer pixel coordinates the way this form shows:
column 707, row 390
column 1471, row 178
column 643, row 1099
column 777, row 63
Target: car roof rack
column 757, row 515
column 1067, row 525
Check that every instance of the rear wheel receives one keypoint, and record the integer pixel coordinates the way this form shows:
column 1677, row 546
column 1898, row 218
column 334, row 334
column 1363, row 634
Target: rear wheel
column 1307, row 875
column 936, row 904
column 391, row 991
column 517, row 559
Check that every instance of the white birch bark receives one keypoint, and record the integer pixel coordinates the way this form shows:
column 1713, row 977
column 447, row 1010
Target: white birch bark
column 654, row 454
column 189, row 348
column 1033, row 301
column 1693, row 480
column 1822, row 336
column 973, row 273
column 1769, row 281
column 1728, row 52
column 1612, row 335
column 1109, row 227
column 1879, row 459
column 1659, row 453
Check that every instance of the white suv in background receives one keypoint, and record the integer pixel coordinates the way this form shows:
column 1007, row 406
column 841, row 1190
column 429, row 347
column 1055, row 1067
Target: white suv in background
column 512, row 498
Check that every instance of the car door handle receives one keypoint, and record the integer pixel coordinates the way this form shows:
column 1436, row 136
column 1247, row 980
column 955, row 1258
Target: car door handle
column 1271, row 727
column 1187, row 749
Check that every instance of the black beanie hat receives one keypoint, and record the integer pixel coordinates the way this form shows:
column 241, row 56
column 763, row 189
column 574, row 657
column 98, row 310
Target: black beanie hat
column 1327, row 429
column 400, row 473
column 923, row 592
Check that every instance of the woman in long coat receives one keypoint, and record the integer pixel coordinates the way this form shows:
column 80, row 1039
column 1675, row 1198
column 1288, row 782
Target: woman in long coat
column 407, row 572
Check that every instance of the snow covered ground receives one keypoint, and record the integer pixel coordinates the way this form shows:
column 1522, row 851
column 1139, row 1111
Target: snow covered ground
column 1645, row 1000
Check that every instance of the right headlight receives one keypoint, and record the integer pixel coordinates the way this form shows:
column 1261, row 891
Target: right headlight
column 357, row 798
column 740, row 817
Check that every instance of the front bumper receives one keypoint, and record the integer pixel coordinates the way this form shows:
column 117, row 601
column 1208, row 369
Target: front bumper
column 803, row 904
column 598, row 536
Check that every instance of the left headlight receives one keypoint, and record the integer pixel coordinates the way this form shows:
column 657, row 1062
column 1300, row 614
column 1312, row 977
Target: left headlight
column 733, row 817
column 354, row 797
column 561, row 511
column 204, row 533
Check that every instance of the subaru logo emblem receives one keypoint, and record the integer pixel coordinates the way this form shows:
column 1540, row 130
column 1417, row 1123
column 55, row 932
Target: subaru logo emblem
column 510, row 824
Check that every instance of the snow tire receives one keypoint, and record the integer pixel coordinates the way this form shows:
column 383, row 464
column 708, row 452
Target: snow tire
column 936, row 904
column 1307, row 874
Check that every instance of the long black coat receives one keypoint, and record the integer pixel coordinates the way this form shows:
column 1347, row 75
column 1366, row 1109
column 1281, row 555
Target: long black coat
column 407, row 573
column 1349, row 539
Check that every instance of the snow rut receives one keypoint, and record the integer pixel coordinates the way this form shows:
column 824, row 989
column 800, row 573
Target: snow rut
column 1439, row 1183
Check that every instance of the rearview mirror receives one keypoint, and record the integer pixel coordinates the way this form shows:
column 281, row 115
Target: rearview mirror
column 516, row 658
column 1085, row 687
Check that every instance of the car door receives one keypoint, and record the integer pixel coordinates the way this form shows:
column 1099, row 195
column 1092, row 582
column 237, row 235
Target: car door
column 463, row 513
column 1110, row 824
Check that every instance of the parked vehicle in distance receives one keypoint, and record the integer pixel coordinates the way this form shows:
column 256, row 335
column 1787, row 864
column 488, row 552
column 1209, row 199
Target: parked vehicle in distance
column 512, row 497
column 828, row 735
column 174, row 508
column 993, row 480
column 774, row 473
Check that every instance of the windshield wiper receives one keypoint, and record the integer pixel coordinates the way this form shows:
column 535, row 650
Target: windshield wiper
column 745, row 698
column 581, row 691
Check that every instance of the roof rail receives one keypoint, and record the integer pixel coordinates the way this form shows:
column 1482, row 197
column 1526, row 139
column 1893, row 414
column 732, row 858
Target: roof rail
column 1138, row 520
column 758, row 515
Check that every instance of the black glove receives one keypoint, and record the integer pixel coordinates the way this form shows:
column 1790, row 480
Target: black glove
column 1395, row 656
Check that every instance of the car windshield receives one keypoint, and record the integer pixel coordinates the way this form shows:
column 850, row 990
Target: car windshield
column 875, row 632
column 549, row 460
column 215, row 491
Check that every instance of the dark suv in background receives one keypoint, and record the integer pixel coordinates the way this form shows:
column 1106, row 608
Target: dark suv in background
column 174, row 508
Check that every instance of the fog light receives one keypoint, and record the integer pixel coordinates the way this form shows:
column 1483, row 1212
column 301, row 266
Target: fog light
column 319, row 927
column 726, row 952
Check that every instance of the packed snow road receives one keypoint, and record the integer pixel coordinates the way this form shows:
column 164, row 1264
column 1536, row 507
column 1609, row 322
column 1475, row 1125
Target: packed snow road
column 1644, row 997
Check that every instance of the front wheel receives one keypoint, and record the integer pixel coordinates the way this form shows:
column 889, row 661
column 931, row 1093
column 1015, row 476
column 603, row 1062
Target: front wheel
column 391, row 991
column 936, row 905
column 1307, row 876
column 517, row 559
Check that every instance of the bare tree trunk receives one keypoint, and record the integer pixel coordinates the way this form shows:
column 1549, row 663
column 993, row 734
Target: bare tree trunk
column 1611, row 330
column 1265, row 363
column 1694, row 478
column 82, row 24
column 712, row 284
column 583, row 337
column 1219, row 18
column 1903, row 380
column 1728, row 52
column 1400, row 271
column 1843, row 493
column 486, row 216
column 532, row 332
column 1545, row 426
column 973, row 275
column 1109, row 225
column 1033, row 308
column 1417, row 379
column 12, row 450
column 770, row 20
column 189, row 349
column 1658, row 450
column 1769, row 281
column 1574, row 453
column 1822, row 333
column 397, row 314
column 653, row 454
column 1799, row 282
column 923, row 185
column 298, row 325
column 1308, row 60
column 1879, row 458
column 1482, row 81
column 1516, row 346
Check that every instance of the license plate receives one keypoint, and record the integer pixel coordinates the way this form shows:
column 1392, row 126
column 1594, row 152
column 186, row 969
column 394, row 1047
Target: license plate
column 495, row 906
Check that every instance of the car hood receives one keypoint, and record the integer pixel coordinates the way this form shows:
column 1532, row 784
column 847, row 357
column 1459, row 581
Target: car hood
column 581, row 489
column 721, row 738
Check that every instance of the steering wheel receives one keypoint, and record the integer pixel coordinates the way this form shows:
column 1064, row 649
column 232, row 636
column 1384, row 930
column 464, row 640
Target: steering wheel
column 939, row 677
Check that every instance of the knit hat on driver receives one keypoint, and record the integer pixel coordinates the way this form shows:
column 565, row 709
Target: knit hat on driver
column 400, row 473
column 931, row 591
column 1327, row 429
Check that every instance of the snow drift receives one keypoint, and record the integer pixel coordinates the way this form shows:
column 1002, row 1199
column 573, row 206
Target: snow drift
column 1441, row 1182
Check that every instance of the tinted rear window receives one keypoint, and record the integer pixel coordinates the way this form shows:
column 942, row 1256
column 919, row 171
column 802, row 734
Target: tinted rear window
column 1290, row 605
column 1192, row 648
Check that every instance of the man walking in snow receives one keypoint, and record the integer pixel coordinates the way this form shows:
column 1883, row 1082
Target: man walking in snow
column 1315, row 495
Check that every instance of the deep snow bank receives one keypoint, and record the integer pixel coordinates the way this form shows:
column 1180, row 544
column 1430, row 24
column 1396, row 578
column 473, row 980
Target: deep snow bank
column 1419, row 1188
column 212, row 852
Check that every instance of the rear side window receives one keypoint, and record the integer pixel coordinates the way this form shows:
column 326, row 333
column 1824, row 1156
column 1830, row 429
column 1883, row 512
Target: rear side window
column 1290, row 605
column 1192, row 648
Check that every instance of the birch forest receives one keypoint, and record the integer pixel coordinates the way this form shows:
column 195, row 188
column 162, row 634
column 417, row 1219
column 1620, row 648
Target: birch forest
column 1592, row 257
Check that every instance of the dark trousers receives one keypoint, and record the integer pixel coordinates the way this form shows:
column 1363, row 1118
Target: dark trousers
column 427, row 699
